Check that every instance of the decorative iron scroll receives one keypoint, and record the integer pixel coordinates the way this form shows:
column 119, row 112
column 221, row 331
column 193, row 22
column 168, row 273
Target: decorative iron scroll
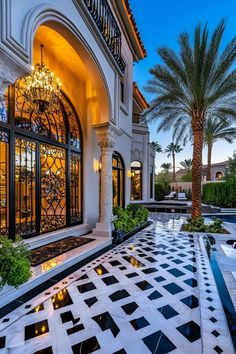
column 107, row 25
column 53, row 188
column 73, row 124
column 75, row 171
column 51, row 125
column 4, row 224
column 25, row 182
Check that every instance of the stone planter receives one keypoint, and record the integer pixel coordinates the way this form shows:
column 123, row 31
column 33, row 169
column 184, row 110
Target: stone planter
column 120, row 235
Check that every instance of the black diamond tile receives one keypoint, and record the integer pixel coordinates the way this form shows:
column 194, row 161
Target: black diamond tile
column 105, row 321
column 158, row 343
column 172, row 250
column 131, row 275
column 36, row 329
column 209, row 299
column 155, row 295
column 2, row 342
column 159, row 279
column 191, row 282
column 173, row 288
column 91, row 301
column 83, row 288
column 37, row 309
column 83, row 277
column 218, row 349
column 213, row 319
column 121, row 351
column 130, row 308
column 6, row 320
column 110, row 280
column 151, row 259
column 139, row 323
column 100, row 270
column 147, row 249
column 89, row 345
column 182, row 255
column 115, row 263
column 211, row 308
column 66, row 316
column 122, row 268
column 190, row 268
column 190, row 330
column 61, row 299
column 150, row 270
column 47, row 350
column 191, row 301
column 134, row 261
column 118, row 295
column 177, row 261
column 75, row 329
column 144, row 285
column 208, row 291
column 28, row 306
column 164, row 265
column 167, row 311
column 176, row 272
column 215, row 333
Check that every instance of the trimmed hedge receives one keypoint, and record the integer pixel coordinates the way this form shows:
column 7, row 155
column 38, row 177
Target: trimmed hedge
column 220, row 194
column 129, row 218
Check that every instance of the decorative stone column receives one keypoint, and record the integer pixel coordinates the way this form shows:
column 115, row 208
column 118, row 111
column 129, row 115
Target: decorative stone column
column 10, row 71
column 106, row 135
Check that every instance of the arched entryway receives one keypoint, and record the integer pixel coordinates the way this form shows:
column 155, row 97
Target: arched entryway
column 40, row 160
column 118, row 180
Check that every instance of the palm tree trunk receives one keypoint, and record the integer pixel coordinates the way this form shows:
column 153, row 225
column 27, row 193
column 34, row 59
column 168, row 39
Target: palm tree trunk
column 197, row 172
column 173, row 156
column 209, row 147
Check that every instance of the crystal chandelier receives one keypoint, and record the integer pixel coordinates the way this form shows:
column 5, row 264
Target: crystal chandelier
column 43, row 89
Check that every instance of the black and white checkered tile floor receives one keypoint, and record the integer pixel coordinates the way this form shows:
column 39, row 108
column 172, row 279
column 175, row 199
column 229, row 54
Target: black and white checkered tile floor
column 140, row 297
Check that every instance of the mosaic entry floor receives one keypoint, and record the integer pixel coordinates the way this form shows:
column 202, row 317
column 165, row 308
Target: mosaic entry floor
column 140, row 297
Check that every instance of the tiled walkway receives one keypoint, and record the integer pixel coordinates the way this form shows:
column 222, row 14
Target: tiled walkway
column 141, row 297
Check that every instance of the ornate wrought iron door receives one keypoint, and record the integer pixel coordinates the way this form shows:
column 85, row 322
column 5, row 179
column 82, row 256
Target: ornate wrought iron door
column 53, row 188
column 4, row 169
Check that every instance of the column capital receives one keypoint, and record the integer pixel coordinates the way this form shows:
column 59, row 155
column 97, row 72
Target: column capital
column 106, row 134
column 10, row 71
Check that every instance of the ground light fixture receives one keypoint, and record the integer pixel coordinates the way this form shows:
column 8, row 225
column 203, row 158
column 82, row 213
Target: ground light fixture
column 42, row 88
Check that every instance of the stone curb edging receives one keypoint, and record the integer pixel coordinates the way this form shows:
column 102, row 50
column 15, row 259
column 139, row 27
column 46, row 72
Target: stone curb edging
column 216, row 337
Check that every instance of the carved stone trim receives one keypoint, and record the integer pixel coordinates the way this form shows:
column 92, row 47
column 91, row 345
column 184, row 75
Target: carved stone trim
column 10, row 71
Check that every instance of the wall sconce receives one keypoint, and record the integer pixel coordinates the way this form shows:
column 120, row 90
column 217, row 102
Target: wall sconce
column 97, row 165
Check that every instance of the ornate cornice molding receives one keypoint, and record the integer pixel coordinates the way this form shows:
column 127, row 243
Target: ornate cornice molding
column 10, row 71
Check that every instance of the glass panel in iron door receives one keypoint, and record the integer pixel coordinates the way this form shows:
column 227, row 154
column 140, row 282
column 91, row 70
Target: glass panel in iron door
column 53, row 188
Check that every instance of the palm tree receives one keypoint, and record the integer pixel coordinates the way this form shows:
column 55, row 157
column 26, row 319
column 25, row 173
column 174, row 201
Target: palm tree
column 216, row 129
column 171, row 150
column 156, row 146
column 187, row 164
column 196, row 83
column 166, row 167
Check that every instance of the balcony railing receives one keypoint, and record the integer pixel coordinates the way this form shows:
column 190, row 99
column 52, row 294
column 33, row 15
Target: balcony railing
column 106, row 23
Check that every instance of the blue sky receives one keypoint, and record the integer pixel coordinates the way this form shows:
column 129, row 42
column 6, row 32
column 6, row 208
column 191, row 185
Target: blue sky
column 160, row 22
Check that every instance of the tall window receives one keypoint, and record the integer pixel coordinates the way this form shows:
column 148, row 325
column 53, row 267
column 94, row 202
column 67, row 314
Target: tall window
column 151, row 181
column 136, row 180
column 45, row 173
column 118, row 180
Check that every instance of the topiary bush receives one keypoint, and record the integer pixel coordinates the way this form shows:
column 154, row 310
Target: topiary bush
column 14, row 262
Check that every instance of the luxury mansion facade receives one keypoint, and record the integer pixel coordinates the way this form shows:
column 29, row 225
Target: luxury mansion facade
column 72, row 144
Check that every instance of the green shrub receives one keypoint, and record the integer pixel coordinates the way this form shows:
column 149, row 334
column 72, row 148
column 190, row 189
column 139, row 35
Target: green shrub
column 198, row 225
column 161, row 190
column 14, row 262
column 221, row 194
column 129, row 218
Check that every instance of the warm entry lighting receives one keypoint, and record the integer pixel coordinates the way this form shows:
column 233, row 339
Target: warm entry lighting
column 43, row 89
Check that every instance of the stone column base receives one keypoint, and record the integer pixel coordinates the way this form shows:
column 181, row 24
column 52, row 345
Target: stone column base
column 102, row 229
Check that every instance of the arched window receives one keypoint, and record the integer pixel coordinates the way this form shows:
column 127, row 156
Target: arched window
column 136, row 180
column 219, row 176
column 45, row 173
column 118, row 180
